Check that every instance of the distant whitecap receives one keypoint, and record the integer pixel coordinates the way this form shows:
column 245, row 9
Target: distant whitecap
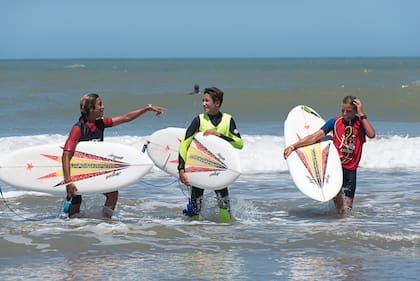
column 76, row 65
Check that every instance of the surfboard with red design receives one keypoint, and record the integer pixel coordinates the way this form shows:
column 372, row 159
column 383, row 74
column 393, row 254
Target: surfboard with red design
column 315, row 169
column 212, row 163
column 96, row 167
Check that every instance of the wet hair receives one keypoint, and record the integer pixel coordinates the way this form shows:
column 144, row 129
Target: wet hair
column 215, row 93
column 87, row 102
column 350, row 100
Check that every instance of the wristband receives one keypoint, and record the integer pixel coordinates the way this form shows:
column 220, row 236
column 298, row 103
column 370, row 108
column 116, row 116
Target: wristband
column 292, row 147
column 363, row 117
column 149, row 106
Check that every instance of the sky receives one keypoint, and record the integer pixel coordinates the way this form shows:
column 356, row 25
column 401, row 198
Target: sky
column 208, row 29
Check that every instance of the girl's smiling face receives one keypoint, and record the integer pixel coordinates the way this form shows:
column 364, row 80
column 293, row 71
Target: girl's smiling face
column 98, row 111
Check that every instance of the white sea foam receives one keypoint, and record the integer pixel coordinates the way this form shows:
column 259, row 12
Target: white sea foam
column 391, row 152
column 264, row 153
column 14, row 194
column 76, row 65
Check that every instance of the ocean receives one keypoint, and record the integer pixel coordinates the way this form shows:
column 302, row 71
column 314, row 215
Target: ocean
column 278, row 233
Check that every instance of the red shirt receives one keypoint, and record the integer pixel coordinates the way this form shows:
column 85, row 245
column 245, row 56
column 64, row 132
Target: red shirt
column 349, row 140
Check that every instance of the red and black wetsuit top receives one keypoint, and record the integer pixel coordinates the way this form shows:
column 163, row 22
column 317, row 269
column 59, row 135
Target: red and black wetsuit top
column 88, row 135
column 87, row 131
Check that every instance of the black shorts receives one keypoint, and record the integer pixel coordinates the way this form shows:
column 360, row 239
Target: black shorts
column 349, row 182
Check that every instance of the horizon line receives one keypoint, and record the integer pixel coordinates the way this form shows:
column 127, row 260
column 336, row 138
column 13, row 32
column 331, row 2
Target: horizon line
column 209, row 58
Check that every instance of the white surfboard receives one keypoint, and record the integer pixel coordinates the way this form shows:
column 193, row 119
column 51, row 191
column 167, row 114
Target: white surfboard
column 212, row 163
column 315, row 169
column 96, row 167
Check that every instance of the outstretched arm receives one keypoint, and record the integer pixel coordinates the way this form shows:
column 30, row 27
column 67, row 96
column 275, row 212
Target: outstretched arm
column 129, row 116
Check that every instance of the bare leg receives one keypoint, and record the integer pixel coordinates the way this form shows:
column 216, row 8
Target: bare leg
column 338, row 201
column 110, row 203
column 349, row 188
column 76, row 201
column 349, row 202
column 75, row 209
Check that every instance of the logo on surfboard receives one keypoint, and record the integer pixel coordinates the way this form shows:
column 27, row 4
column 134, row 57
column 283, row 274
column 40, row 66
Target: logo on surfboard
column 315, row 161
column 85, row 165
column 200, row 159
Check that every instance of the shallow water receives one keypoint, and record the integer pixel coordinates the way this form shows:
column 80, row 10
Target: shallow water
column 278, row 233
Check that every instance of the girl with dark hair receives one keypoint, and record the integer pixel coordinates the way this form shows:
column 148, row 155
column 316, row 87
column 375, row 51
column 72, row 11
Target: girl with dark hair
column 90, row 127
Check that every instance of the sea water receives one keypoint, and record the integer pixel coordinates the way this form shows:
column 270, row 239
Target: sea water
column 278, row 233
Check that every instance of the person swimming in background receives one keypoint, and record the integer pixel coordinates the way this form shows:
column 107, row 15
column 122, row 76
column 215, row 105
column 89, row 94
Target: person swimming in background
column 211, row 122
column 90, row 127
column 349, row 134
column 196, row 90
